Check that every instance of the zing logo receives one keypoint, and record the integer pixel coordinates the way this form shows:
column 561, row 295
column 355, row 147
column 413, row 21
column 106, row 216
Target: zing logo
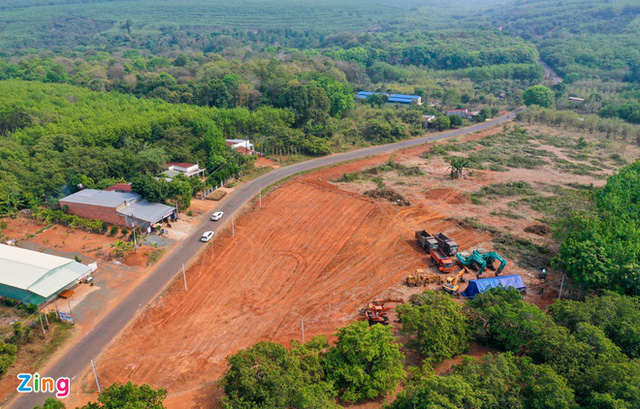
column 33, row 383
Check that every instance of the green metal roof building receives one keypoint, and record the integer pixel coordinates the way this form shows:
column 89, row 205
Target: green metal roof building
column 33, row 277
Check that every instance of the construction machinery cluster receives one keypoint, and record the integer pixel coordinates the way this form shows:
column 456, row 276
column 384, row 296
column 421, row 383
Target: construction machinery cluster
column 442, row 249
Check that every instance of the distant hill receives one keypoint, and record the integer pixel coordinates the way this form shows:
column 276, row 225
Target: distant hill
column 579, row 38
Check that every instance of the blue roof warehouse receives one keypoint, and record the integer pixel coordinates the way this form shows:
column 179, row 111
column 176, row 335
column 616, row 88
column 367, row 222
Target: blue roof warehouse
column 393, row 98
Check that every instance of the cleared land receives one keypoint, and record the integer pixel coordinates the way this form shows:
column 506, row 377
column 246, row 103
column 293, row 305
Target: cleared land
column 319, row 250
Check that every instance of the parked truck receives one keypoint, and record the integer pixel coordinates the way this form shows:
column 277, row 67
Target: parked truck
column 447, row 245
column 441, row 260
column 426, row 240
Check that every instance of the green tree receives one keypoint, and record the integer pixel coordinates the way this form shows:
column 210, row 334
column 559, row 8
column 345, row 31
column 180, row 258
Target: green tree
column 51, row 403
column 455, row 121
column 267, row 375
column 538, row 95
column 378, row 99
column 7, row 356
column 437, row 327
column 129, row 396
column 458, row 164
column 365, row 362
column 442, row 123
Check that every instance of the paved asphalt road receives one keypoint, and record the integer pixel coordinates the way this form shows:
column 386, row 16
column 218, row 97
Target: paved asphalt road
column 76, row 360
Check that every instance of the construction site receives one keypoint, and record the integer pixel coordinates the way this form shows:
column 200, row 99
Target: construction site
column 319, row 253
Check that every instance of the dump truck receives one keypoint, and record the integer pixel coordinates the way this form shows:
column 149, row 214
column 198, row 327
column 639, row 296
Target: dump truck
column 426, row 240
column 422, row 277
column 448, row 245
column 441, row 260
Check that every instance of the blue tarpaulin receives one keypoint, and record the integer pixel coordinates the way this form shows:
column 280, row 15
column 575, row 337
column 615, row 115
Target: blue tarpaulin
column 483, row 284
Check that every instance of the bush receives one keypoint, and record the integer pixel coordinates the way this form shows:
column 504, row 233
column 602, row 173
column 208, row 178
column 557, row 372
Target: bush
column 114, row 230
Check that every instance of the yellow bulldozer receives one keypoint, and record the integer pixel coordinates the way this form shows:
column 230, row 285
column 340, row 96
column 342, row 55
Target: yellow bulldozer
column 452, row 285
column 422, row 277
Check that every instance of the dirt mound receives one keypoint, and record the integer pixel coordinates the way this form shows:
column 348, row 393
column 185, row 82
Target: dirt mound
column 539, row 229
column 447, row 195
column 388, row 194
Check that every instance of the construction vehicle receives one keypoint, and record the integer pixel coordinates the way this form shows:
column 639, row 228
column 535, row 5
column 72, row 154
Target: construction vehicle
column 480, row 259
column 490, row 258
column 376, row 311
column 472, row 260
column 448, row 246
column 422, row 277
column 441, row 261
column 452, row 285
column 425, row 240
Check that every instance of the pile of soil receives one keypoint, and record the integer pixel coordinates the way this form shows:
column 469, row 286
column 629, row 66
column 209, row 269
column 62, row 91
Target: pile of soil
column 217, row 195
column 539, row 229
column 388, row 194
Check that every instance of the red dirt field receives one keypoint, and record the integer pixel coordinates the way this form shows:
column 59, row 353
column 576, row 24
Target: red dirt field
column 314, row 252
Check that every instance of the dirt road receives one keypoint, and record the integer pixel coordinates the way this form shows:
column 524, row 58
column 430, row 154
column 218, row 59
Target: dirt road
column 76, row 360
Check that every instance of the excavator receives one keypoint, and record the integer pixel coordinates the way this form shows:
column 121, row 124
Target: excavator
column 491, row 257
column 452, row 286
column 480, row 259
column 376, row 312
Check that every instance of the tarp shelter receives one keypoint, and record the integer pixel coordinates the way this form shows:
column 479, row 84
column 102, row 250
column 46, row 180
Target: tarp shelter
column 483, row 284
column 33, row 277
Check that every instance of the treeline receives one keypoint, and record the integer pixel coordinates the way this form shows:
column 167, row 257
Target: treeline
column 601, row 249
column 629, row 112
column 613, row 127
column 579, row 355
column 441, row 50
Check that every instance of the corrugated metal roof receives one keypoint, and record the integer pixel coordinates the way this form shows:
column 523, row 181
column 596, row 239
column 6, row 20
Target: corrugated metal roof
column 100, row 198
column 39, row 273
column 404, row 96
column 147, row 211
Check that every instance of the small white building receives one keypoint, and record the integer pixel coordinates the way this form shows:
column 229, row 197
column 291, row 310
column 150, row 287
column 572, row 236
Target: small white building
column 181, row 168
column 576, row 99
column 240, row 144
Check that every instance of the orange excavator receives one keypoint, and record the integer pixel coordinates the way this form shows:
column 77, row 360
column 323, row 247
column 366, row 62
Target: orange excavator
column 376, row 311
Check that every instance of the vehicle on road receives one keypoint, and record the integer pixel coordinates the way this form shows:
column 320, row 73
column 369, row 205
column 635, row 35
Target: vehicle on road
column 217, row 216
column 206, row 236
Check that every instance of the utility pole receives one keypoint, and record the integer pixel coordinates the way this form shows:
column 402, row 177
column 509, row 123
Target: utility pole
column 44, row 333
column 71, row 313
column 95, row 374
column 46, row 319
column 302, row 324
column 184, row 274
column 561, row 286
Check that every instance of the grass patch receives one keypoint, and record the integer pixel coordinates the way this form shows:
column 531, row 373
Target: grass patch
column 524, row 252
column 506, row 190
column 155, row 256
column 578, row 169
column 508, row 214
column 376, row 172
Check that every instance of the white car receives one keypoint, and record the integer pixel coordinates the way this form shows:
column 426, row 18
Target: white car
column 217, row 216
column 208, row 235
